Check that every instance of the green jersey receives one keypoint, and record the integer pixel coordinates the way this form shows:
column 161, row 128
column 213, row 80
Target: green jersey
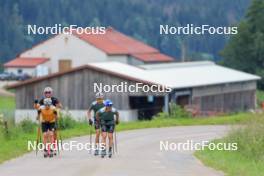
column 96, row 107
column 107, row 118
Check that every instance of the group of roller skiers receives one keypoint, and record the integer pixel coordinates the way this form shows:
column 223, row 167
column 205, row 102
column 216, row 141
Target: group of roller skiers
column 104, row 119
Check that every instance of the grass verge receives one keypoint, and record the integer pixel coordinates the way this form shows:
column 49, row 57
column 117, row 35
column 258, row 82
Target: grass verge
column 248, row 160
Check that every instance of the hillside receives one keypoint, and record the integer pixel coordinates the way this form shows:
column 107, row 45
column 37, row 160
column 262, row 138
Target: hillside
column 140, row 19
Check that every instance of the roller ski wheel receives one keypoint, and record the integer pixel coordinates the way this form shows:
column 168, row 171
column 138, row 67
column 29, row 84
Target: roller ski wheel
column 110, row 154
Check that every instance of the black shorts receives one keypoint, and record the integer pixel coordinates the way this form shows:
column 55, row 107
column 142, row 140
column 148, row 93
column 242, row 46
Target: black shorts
column 109, row 128
column 47, row 126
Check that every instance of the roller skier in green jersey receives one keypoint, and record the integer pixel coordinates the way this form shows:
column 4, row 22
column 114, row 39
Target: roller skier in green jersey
column 108, row 118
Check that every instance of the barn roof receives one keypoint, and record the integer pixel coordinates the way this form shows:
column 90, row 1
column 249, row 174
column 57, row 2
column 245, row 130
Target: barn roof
column 27, row 62
column 174, row 75
column 181, row 75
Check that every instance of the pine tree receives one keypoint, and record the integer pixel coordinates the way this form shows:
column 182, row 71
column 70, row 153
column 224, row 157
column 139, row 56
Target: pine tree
column 245, row 51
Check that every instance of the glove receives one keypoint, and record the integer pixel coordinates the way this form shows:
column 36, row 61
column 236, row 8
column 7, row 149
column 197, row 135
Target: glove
column 35, row 101
column 117, row 122
column 90, row 122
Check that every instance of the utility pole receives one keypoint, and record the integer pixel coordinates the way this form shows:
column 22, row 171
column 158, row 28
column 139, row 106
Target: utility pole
column 183, row 51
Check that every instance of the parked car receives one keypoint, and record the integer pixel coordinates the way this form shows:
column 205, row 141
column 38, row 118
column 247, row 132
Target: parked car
column 4, row 76
column 22, row 77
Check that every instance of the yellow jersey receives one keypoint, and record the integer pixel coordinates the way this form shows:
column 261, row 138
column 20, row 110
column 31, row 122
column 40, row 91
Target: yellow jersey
column 48, row 114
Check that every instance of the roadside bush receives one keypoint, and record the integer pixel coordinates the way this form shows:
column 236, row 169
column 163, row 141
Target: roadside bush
column 66, row 122
column 178, row 112
column 175, row 112
column 27, row 126
column 250, row 139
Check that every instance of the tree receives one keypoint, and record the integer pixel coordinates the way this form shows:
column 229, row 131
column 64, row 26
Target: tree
column 245, row 51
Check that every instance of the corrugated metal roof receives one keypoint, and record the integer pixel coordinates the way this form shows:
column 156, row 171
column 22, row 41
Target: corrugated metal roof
column 180, row 75
column 174, row 75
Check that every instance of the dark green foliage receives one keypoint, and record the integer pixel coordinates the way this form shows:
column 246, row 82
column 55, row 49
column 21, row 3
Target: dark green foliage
column 245, row 51
column 27, row 126
column 176, row 111
column 139, row 19
column 66, row 122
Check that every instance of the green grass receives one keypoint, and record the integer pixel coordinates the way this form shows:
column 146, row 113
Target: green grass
column 232, row 163
column 248, row 160
column 167, row 122
column 7, row 103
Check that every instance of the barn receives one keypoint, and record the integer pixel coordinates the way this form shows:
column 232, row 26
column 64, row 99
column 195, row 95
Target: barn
column 202, row 86
column 65, row 51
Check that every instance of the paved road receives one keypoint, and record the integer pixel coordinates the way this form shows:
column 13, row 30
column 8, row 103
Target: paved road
column 138, row 155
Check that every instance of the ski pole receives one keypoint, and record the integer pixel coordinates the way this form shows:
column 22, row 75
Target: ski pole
column 115, row 141
column 38, row 137
column 59, row 138
column 91, row 137
column 56, row 132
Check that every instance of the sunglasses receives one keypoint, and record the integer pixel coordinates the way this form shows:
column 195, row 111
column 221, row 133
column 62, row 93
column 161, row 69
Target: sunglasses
column 47, row 92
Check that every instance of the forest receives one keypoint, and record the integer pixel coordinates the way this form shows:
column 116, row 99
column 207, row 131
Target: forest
column 138, row 18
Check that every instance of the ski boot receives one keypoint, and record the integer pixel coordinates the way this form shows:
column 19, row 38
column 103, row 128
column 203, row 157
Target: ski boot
column 103, row 153
column 51, row 154
column 96, row 152
column 110, row 153
column 46, row 153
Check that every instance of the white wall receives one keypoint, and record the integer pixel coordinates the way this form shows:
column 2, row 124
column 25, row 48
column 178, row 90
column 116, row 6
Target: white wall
column 30, row 71
column 118, row 58
column 125, row 59
column 135, row 61
column 66, row 47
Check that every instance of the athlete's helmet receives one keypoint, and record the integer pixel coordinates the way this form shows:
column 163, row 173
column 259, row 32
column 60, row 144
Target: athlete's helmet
column 48, row 89
column 47, row 102
column 99, row 95
column 108, row 103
